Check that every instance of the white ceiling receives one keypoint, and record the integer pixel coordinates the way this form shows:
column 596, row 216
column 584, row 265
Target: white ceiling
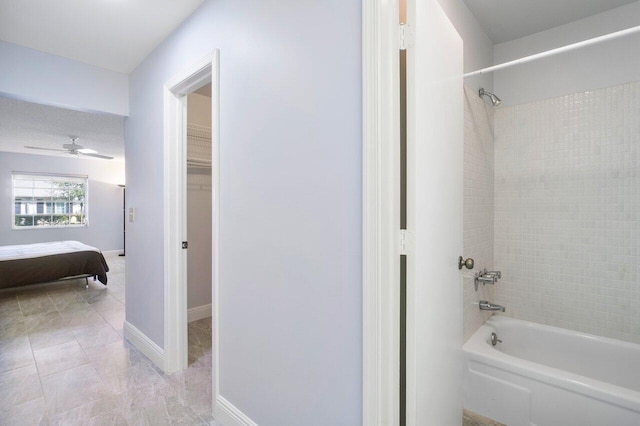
column 505, row 20
column 25, row 123
column 112, row 34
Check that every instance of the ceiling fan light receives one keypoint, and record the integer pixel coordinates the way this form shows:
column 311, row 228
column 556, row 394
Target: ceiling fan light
column 87, row 151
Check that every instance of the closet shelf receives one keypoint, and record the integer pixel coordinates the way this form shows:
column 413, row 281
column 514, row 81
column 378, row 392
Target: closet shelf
column 198, row 149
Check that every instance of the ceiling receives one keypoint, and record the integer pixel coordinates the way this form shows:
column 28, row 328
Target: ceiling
column 25, row 123
column 505, row 20
column 112, row 34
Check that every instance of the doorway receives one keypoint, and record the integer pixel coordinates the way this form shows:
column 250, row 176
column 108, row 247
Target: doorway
column 199, row 224
column 176, row 246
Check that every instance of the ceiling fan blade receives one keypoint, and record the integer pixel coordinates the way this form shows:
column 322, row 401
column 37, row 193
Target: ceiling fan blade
column 45, row 149
column 105, row 157
column 72, row 146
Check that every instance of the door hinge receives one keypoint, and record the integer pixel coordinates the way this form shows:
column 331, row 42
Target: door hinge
column 404, row 242
column 406, row 37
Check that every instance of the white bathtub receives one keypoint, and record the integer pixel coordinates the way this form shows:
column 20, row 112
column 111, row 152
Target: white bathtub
column 548, row 376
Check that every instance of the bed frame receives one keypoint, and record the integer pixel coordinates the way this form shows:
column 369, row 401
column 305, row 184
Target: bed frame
column 50, row 262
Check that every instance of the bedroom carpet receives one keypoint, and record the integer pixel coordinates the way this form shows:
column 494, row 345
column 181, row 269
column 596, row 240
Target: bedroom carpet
column 63, row 361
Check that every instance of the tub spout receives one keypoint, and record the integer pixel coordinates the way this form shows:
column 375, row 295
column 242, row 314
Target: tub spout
column 486, row 306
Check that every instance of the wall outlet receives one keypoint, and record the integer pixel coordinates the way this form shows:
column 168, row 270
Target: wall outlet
column 132, row 214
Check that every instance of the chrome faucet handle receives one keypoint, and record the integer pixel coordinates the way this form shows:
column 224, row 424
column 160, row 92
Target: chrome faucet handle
column 485, row 278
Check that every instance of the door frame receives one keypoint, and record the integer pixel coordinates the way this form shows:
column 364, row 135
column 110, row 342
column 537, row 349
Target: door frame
column 175, row 217
column 380, row 213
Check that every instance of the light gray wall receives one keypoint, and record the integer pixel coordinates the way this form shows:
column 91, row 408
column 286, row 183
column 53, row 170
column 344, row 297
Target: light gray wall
column 105, row 200
column 47, row 79
column 607, row 64
column 290, row 241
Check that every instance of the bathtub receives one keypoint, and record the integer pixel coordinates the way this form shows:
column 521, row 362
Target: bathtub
column 548, row 376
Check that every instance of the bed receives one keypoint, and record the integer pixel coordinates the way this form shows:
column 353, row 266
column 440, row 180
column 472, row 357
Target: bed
column 45, row 262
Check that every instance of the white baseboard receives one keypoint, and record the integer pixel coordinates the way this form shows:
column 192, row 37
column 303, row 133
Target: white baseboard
column 227, row 414
column 199, row 312
column 110, row 252
column 147, row 346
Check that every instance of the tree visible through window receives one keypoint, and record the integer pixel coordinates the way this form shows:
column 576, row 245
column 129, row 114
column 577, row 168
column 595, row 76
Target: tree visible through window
column 49, row 200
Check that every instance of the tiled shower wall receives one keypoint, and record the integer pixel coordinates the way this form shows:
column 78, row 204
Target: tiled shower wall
column 478, row 204
column 567, row 211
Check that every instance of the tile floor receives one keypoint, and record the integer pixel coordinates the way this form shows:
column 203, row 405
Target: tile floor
column 63, row 361
column 469, row 418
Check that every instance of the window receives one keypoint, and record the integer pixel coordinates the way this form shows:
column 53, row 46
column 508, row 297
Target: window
column 45, row 201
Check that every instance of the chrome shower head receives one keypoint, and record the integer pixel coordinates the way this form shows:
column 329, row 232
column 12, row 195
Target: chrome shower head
column 495, row 101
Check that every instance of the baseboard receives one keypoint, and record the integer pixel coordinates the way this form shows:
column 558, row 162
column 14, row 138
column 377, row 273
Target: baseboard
column 110, row 252
column 145, row 345
column 227, row 414
column 199, row 312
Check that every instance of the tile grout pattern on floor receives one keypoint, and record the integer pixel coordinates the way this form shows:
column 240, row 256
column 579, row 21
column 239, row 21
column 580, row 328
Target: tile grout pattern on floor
column 64, row 361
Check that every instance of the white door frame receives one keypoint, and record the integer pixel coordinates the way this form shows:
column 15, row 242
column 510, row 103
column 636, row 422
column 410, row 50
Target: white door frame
column 381, row 213
column 175, row 218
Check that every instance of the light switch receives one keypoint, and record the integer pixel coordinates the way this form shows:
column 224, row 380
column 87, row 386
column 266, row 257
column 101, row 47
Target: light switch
column 132, row 214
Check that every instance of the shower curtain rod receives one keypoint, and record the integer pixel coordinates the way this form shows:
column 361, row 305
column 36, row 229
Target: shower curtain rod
column 556, row 51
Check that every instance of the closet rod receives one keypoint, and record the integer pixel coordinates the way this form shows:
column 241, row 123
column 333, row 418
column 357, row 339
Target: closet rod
column 556, row 51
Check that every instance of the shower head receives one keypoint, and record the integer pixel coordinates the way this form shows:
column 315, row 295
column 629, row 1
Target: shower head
column 495, row 101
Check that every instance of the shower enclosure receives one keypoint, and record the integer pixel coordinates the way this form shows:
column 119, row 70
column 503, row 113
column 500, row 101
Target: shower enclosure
column 557, row 166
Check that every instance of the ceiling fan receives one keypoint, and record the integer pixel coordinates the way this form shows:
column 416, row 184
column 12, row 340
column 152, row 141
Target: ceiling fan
column 74, row 149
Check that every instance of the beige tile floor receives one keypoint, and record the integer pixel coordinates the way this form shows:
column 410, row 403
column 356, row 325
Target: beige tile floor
column 470, row 418
column 63, row 361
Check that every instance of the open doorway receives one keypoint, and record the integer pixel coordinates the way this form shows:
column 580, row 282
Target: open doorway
column 199, row 225
column 177, row 165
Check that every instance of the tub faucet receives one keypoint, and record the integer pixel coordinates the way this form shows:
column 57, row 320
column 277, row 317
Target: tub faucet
column 486, row 306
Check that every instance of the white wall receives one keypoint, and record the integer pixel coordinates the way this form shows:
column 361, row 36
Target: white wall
column 478, row 49
column 199, row 199
column 39, row 77
column 567, row 211
column 566, row 180
column 104, row 206
column 611, row 63
column 290, row 241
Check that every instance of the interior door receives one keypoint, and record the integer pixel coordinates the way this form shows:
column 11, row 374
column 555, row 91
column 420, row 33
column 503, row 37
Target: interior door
column 434, row 217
